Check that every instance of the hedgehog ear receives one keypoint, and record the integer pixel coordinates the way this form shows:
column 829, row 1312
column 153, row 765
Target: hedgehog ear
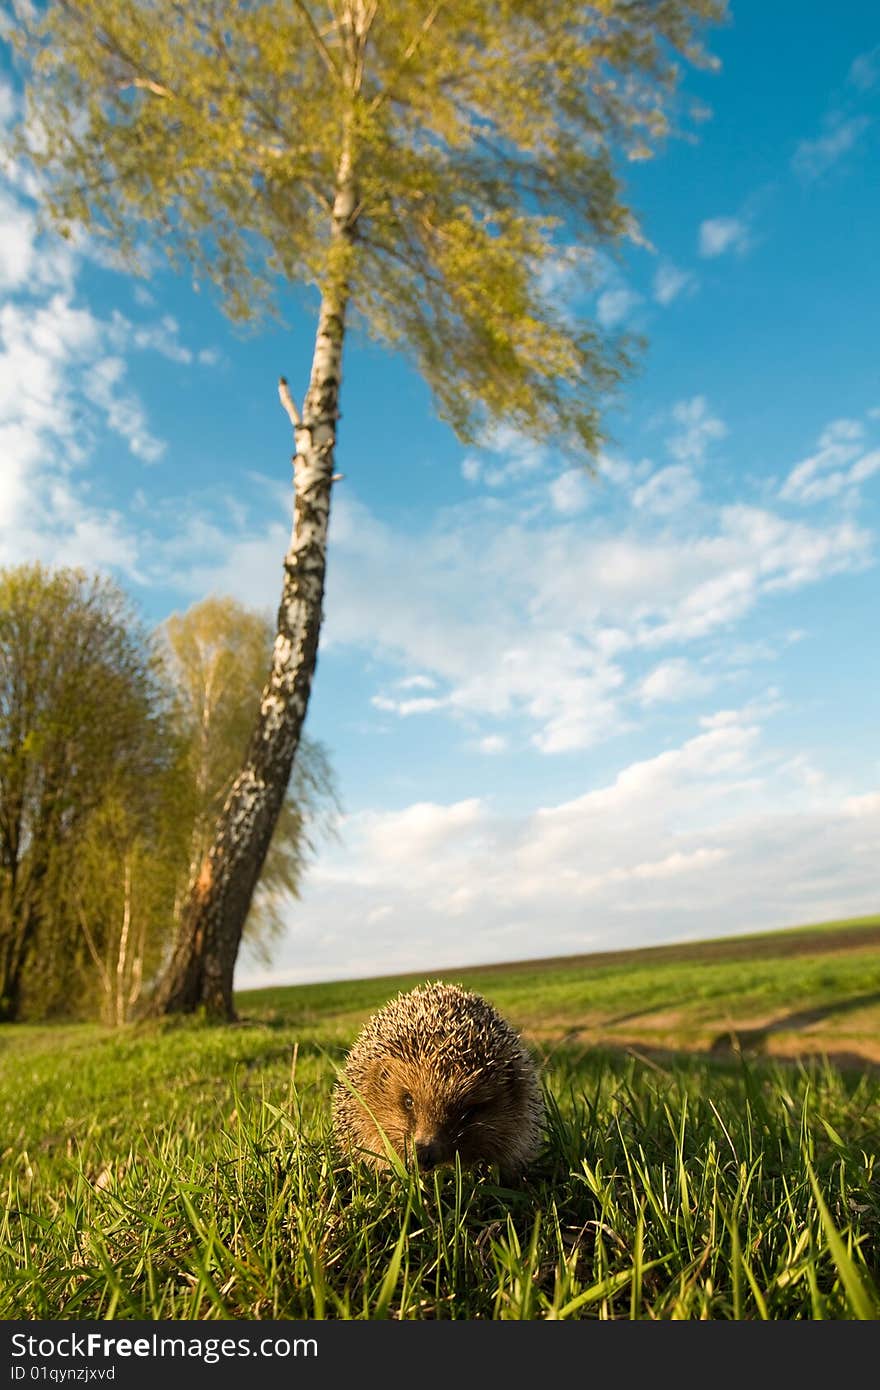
column 379, row 1070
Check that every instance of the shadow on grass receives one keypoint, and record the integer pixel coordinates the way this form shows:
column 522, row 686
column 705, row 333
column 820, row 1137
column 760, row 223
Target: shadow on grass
column 754, row 1040
column 726, row 1053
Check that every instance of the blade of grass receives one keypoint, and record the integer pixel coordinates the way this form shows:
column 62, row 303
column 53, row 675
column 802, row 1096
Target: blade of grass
column 863, row 1305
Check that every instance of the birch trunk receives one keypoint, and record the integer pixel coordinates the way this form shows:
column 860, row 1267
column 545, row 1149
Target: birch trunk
column 199, row 974
column 122, row 952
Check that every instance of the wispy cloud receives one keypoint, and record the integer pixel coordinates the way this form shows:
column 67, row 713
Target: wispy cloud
column 844, row 123
column 670, row 282
column 46, row 356
column 864, row 72
column 570, row 493
column 421, row 705
column 840, row 133
column 667, row 491
column 162, row 337
column 507, row 457
column 535, row 621
column 695, row 429
column 673, row 680
column 493, row 744
column 124, row 413
column 841, row 463
column 615, row 305
column 29, row 264
column 719, row 235
column 64, row 380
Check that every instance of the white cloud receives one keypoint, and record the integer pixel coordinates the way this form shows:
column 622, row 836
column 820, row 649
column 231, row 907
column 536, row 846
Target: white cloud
column 523, row 616
column 187, row 559
column 679, row 863
column 813, row 158
column 417, row 683
column 17, row 250
column 667, row 491
column 124, row 413
column 62, row 379
column 37, row 346
column 614, row 305
column 565, row 276
column 425, row 704
column 582, row 706
column 16, row 452
column 672, row 681
column 570, row 492
column 696, row 428
column 471, row 469
column 753, row 553
column 840, row 464
column 714, row 836
column 492, row 744
column 865, row 468
column 50, row 353
column 425, row 829
column 719, row 235
column 615, row 470
column 29, row 263
column 162, row 337
column 670, row 282
column 516, row 457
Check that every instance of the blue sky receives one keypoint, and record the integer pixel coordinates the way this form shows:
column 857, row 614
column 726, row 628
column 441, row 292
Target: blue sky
column 565, row 713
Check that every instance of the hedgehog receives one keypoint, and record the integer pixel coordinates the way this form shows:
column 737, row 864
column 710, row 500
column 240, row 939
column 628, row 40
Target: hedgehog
column 442, row 1073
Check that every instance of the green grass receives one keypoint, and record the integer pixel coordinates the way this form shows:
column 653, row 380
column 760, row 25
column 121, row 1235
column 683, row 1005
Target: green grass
column 181, row 1171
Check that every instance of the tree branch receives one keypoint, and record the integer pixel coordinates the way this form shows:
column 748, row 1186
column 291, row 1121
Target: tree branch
column 148, row 85
column 329, row 60
column 288, row 402
column 93, row 950
column 382, row 97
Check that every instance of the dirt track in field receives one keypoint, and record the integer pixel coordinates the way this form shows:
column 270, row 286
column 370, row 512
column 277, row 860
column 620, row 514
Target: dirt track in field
column 846, row 1030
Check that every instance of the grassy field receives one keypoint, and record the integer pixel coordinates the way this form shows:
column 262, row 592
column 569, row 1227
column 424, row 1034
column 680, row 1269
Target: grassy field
column 713, row 1126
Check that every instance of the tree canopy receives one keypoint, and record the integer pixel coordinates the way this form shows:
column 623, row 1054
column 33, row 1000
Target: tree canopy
column 83, row 719
column 483, row 139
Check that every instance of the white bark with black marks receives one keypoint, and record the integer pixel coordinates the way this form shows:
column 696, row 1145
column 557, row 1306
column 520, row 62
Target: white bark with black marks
column 199, row 974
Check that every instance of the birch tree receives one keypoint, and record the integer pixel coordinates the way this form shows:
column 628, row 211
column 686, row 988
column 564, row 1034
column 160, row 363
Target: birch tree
column 425, row 166
column 216, row 654
column 120, row 887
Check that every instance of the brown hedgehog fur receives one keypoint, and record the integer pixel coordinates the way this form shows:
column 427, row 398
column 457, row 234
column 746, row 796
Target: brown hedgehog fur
column 442, row 1072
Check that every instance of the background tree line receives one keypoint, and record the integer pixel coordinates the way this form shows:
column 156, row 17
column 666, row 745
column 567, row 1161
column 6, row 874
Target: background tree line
column 117, row 749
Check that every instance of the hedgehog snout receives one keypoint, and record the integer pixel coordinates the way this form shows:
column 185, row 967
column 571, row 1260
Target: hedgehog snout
column 430, row 1153
column 431, row 1141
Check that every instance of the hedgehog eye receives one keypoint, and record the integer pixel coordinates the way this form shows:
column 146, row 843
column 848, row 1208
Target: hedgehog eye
column 407, row 1101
